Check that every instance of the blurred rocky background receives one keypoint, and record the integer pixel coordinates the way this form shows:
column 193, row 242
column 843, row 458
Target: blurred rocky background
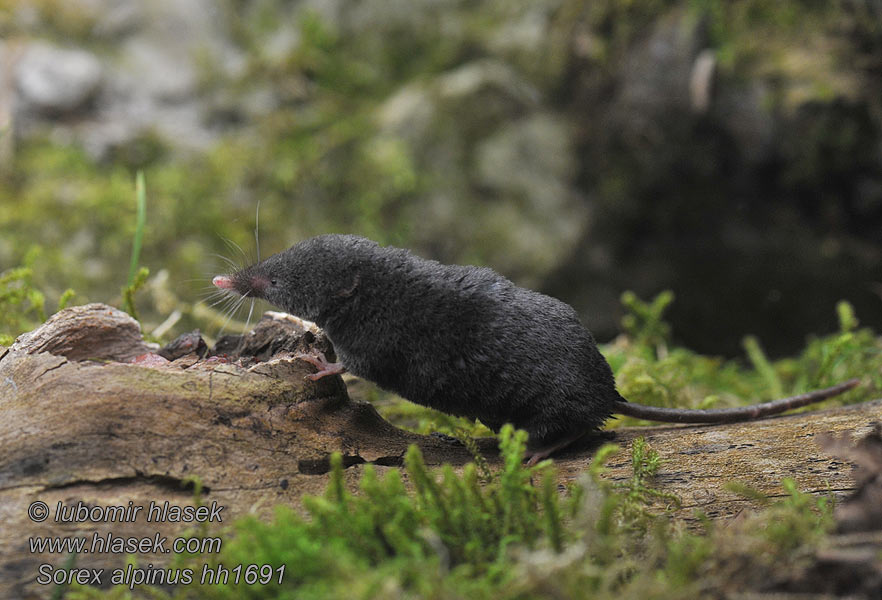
column 729, row 151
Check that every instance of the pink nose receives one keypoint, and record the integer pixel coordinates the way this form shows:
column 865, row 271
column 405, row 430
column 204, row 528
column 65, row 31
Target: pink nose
column 223, row 281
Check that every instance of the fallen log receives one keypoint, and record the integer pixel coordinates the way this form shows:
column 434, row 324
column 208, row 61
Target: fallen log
column 91, row 418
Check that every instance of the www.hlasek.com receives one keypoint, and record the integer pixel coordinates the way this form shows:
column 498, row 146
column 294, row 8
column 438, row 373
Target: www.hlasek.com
column 110, row 543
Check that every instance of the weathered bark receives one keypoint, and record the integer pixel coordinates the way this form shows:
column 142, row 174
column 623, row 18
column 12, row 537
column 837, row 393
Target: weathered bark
column 79, row 421
column 698, row 460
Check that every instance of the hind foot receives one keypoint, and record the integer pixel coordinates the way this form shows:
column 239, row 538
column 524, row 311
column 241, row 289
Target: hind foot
column 534, row 455
column 321, row 363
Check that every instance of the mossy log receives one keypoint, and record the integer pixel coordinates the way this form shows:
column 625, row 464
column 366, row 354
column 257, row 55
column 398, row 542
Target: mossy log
column 89, row 414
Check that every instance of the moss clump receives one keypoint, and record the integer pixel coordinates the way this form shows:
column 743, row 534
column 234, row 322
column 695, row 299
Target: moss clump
column 649, row 371
column 21, row 304
column 424, row 534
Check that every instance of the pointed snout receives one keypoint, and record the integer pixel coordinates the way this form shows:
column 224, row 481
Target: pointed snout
column 245, row 284
column 224, row 282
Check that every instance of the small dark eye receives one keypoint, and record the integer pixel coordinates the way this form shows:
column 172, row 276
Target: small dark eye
column 272, row 282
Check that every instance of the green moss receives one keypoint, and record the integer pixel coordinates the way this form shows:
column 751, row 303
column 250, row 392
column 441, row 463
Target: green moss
column 617, row 24
column 643, row 320
column 741, row 31
column 21, row 305
column 419, row 533
column 128, row 291
column 648, row 371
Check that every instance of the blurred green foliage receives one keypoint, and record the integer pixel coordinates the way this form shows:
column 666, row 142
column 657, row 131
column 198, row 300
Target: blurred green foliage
column 314, row 167
column 318, row 161
column 643, row 320
column 649, row 372
column 21, row 304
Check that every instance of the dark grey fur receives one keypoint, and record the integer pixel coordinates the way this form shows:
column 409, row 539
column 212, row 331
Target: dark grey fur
column 463, row 340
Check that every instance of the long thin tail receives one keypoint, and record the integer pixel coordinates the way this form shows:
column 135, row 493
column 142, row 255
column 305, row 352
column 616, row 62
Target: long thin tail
column 730, row 415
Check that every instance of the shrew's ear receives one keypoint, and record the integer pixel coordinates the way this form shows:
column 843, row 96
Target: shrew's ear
column 347, row 291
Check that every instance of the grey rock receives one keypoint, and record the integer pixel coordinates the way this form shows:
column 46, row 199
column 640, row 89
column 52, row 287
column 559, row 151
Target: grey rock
column 416, row 15
column 487, row 76
column 258, row 101
column 502, row 168
column 701, row 81
column 524, row 34
column 656, row 74
column 56, row 80
column 408, row 112
column 118, row 18
column 530, row 157
column 743, row 111
column 529, row 166
column 329, row 11
column 164, row 72
column 281, row 43
column 156, row 58
column 109, row 19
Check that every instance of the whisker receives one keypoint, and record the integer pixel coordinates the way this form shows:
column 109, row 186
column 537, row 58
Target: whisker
column 247, row 325
column 234, row 246
column 199, row 280
column 229, row 261
column 235, row 307
column 206, row 297
column 210, row 290
column 208, row 293
column 224, row 297
column 250, row 312
column 219, row 295
column 257, row 229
